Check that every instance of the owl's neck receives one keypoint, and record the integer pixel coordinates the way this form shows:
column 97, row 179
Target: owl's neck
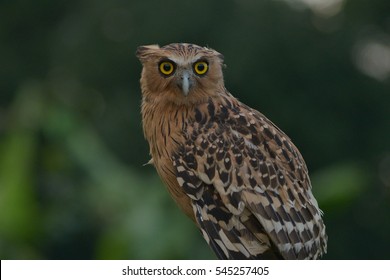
column 162, row 124
column 165, row 123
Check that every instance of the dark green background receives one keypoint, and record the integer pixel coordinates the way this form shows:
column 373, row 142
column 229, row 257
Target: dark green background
column 72, row 180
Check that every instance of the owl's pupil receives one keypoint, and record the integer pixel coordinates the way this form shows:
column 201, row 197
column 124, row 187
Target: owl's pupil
column 200, row 67
column 167, row 67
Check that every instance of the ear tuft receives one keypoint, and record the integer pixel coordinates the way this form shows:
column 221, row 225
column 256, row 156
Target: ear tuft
column 144, row 51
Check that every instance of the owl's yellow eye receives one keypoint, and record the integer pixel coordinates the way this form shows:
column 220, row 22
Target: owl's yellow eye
column 201, row 67
column 166, row 68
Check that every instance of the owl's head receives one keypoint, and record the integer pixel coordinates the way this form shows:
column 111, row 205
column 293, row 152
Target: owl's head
column 180, row 73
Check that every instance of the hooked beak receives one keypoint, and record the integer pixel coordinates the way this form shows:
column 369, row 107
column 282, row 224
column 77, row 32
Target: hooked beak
column 185, row 82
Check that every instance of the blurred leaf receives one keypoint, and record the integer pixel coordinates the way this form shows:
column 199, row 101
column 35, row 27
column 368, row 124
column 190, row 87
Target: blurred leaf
column 16, row 186
column 338, row 185
column 17, row 166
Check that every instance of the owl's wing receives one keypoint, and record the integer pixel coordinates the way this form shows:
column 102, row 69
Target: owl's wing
column 249, row 185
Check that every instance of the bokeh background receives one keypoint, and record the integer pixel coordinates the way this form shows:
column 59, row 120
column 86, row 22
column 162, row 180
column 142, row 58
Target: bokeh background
column 72, row 180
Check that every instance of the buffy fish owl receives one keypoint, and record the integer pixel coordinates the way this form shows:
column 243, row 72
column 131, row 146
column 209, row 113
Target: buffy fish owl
column 229, row 168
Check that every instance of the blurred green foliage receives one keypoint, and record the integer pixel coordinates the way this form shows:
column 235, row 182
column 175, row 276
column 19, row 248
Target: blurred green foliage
column 72, row 180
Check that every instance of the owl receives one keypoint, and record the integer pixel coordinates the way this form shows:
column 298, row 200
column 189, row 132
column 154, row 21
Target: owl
column 229, row 168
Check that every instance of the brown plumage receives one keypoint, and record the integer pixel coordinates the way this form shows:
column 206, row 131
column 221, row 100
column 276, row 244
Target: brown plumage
column 228, row 167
